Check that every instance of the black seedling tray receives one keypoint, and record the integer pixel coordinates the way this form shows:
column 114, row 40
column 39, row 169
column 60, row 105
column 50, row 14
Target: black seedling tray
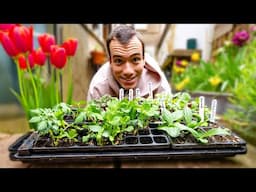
column 14, row 146
column 130, row 155
column 216, row 142
column 30, row 156
column 155, row 124
column 148, row 139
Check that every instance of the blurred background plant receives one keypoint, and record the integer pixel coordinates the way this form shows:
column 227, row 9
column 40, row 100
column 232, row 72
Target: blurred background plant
column 219, row 75
column 232, row 70
column 37, row 87
column 243, row 116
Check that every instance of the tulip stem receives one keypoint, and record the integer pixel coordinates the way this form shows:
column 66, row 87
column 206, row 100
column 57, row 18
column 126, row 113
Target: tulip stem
column 70, row 87
column 33, row 84
column 24, row 101
column 57, row 86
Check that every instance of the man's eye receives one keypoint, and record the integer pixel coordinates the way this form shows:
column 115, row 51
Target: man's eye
column 118, row 61
column 136, row 59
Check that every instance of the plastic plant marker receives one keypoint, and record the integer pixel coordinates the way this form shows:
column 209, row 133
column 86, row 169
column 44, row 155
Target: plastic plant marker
column 137, row 92
column 150, row 90
column 213, row 110
column 162, row 105
column 121, row 94
column 201, row 107
column 130, row 94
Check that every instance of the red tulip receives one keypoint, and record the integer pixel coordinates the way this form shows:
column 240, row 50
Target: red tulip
column 9, row 45
column 39, row 56
column 70, row 45
column 5, row 27
column 22, row 62
column 1, row 35
column 46, row 41
column 31, row 60
column 22, row 37
column 58, row 56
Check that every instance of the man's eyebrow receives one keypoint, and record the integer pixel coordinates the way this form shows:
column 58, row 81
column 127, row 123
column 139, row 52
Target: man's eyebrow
column 117, row 56
column 135, row 54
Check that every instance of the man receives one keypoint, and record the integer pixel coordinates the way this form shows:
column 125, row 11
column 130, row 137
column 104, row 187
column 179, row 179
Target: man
column 128, row 67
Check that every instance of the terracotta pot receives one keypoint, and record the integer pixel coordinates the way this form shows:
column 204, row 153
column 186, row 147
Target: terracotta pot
column 98, row 57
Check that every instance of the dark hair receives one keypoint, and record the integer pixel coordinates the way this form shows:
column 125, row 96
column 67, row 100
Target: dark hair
column 123, row 33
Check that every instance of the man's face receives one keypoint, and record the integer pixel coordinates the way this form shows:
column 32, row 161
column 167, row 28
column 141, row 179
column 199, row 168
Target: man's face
column 127, row 62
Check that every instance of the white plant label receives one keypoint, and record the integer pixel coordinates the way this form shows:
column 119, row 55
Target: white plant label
column 201, row 107
column 150, row 90
column 137, row 92
column 213, row 110
column 121, row 94
column 130, row 94
column 162, row 105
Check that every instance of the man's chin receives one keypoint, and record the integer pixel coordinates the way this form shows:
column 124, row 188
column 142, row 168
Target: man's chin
column 125, row 86
column 128, row 85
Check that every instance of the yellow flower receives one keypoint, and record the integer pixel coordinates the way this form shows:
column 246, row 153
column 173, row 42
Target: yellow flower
column 186, row 80
column 227, row 43
column 178, row 69
column 182, row 84
column 215, row 81
column 195, row 57
column 182, row 70
column 179, row 86
column 184, row 63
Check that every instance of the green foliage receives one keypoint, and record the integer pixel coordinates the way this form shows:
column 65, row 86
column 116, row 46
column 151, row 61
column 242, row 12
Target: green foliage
column 51, row 122
column 181, row 117
column 108, row 120
column 218, row 75
column 245, row 91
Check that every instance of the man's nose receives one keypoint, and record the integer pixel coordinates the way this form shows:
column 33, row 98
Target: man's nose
column 128, row 68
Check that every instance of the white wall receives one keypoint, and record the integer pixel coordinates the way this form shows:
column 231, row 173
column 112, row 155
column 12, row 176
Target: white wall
column 202, row 32
column 164, row 49
column 150, row 49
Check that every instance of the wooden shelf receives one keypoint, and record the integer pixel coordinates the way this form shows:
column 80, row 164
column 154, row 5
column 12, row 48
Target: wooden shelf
column 179, row 54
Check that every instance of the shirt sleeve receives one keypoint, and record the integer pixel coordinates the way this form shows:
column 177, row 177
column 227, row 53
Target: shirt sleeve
column 93, row 94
